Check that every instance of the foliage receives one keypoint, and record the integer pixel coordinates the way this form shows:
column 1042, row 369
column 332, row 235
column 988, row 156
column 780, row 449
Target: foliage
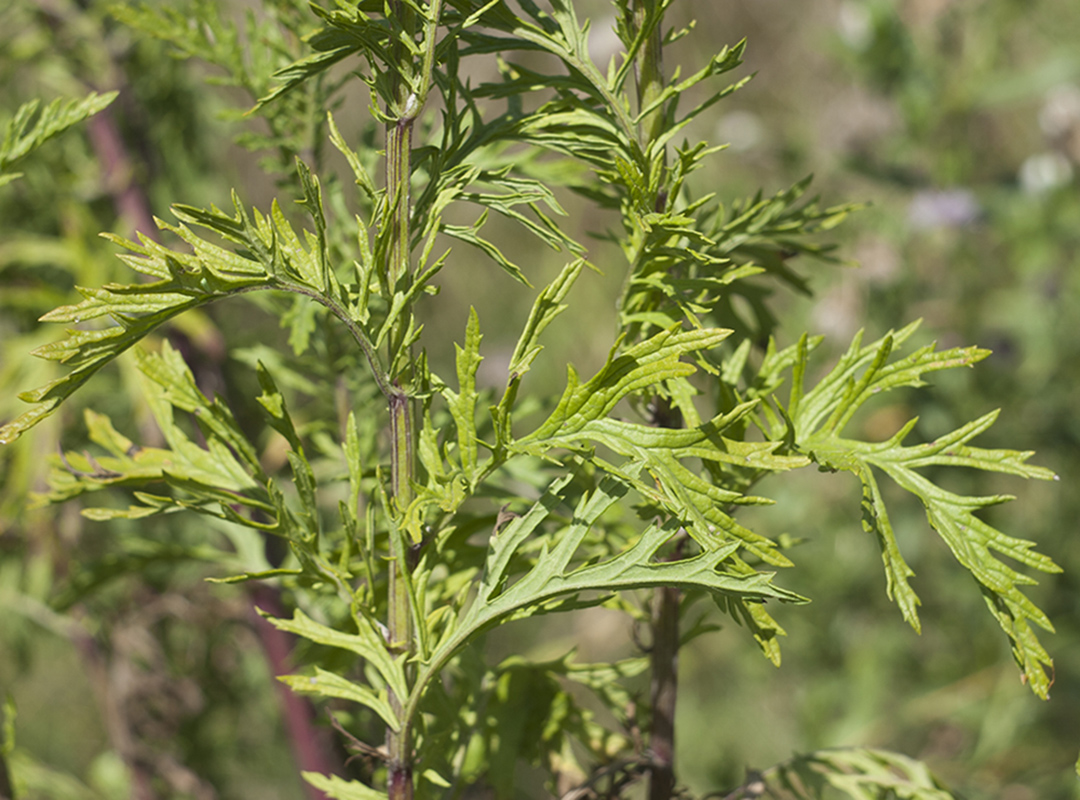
column 422, row 511
column 21, row 137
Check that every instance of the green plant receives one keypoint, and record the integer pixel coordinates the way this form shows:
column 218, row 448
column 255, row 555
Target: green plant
column 419, row 512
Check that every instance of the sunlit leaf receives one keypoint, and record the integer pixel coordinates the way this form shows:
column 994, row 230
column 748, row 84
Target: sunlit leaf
column 819, row 417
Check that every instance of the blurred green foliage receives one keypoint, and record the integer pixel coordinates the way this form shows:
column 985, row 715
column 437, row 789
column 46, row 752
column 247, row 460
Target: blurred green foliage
column 957, row 120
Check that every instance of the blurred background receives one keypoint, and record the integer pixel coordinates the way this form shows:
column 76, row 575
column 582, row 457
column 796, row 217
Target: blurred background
column 956, row 121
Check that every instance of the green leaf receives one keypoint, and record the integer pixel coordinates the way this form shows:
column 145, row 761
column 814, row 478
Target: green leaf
column 352, row 457
column 470, row 235
column 692, row 499
column 368, row 643
column 363, row 178
column 329, row 684
column 727, row 59
column 7, row 729
column 819, row 417
column 463, row 403
column 29, row 130
column 548, row 305
column 646, row 364
column 225, row 470
column 553, row 576
column 273, row 404
column 173, row 381
column 334, row 47
column 859, row 774
column 262, row 575
column 528, row 192
column 188, row 282
column 579, row 423
column 765, row 630
column 340, row 789
column 433, row 777
column 271, row 256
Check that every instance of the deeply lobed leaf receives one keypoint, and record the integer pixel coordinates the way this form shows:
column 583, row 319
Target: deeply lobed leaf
column 817, row 420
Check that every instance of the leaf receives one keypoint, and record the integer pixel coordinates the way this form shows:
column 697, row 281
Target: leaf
column 329, row 684
column 340, row 789
column 470, row 235
column 687, row 496
column 363, row 178
column 547, row 306
column 262, row 575
column 463, row 404
column 190, row 283
column 367, row 643
column 646, row 364
column 819, row 417
column 860, row 774
column 579, row 423
column 518, row 720
column 726, row 60
column 29, row 130
column 219, row 477
column 695, row 260
column 553, row 576
column 271, row 256
column 529, row 192
column 170, row 378
column 7, row 726
column 757, row 620
column 333, row 47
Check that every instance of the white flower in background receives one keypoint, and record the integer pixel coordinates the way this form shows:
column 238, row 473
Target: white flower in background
column 1044, row 172
column 855, row 25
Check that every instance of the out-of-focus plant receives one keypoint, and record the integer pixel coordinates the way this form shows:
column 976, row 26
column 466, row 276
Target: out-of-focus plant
column 414, row 513
column 972, row 163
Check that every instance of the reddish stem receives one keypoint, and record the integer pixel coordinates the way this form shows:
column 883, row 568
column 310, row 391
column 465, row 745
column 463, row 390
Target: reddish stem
column 310, row 745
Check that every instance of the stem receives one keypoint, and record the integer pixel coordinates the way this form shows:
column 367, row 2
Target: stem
column 649, row 75
column 402, row 112
column 650, row 72
column 398, row 152
column 664, row 656
column 664, row 662
column 402, row 468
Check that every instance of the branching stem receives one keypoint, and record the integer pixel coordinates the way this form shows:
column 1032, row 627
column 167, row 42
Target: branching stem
column 409, row 97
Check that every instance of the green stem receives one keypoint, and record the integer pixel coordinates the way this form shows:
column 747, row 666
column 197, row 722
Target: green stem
column 402, row 112
column 664, row 656
column 382, row 379
column 650, row 72
column 402, row 467
column 398, row 169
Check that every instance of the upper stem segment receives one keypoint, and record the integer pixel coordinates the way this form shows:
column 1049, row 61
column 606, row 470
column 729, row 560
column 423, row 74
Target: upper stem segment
column 403, row 468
